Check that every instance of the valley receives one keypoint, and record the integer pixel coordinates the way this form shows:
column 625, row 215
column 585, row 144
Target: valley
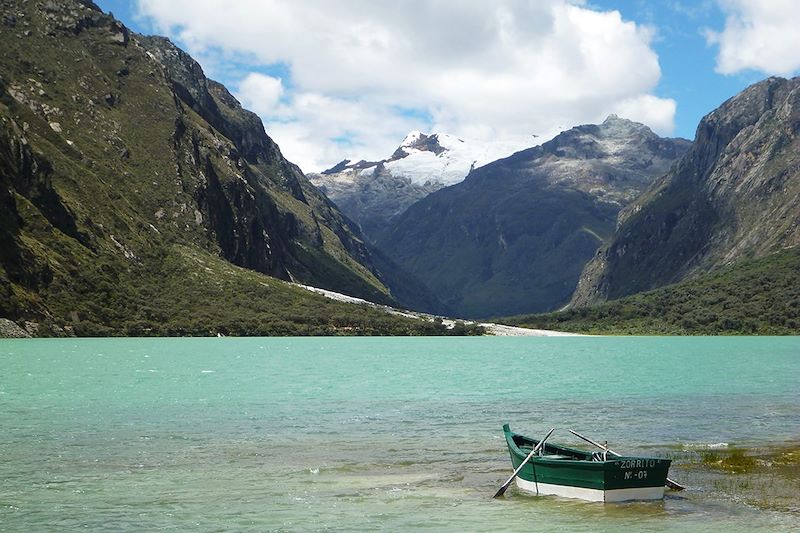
column 139, row 197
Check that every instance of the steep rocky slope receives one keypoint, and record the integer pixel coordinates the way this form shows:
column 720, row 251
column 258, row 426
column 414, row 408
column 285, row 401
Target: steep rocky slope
column 514, row 236
column 115, row 149
column 735, row 195
column 372, row 193
column 751, row 297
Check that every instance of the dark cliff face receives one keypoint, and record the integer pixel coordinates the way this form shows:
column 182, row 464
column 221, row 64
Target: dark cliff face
column 19, row 169
column 424, row 143
column 515, row 235
column 252, row 228
column 736, row 194
column 115, row 147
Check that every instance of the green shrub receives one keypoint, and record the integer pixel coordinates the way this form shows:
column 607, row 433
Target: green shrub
column 752, row 297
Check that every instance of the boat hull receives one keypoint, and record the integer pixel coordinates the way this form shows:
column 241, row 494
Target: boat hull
column 592, row 495
column 573, row 473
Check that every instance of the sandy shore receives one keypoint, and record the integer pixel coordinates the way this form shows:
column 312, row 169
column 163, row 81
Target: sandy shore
column 499, row 330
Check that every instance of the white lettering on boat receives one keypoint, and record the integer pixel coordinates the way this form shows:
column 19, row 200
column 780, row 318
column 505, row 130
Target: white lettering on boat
column 637, row 463
column 641, row 474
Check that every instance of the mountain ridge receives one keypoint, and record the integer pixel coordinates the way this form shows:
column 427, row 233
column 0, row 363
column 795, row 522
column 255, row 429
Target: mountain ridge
column 372, row 193
column 750, row 297
column 116, row 150
column 733, row 196
column 515, row 234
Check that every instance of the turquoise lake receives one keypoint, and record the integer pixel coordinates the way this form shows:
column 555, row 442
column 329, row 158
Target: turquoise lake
column 362, row 434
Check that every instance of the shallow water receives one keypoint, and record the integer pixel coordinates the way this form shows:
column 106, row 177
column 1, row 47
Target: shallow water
column 372, row 433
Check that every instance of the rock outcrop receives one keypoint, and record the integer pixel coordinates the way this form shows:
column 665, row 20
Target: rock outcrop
column 735, row 195
column 9, row 330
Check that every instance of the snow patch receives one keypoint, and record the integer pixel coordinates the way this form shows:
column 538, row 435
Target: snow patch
column 499, row 330
column 459, row 156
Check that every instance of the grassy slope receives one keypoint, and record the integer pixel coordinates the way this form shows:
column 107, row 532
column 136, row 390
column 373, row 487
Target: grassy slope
column 172, row 289
column 751, row 297
column 128, row 189
column 184, row 291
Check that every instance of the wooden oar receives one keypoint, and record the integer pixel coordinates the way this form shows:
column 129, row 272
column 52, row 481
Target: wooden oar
column 674, row 485
column 535, row 449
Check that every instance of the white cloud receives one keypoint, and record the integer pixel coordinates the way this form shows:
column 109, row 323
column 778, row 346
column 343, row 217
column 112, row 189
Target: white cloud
column 317, row 131
column 658, row 113
column 260, row 93
column 762, row 35
column 474, row 68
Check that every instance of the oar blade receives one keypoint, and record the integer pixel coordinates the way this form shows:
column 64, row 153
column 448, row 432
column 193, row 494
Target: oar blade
column 674, row 485
column 505, row 486
column 502, row 490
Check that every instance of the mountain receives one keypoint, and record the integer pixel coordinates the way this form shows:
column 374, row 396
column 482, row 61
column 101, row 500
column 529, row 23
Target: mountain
column 735, row 195
column 120, row 161
column 513, row 237
column 750, row 297
column 372, row 193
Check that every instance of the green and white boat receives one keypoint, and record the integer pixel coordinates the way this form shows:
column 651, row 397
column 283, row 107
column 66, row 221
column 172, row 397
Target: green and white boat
column 598, row 477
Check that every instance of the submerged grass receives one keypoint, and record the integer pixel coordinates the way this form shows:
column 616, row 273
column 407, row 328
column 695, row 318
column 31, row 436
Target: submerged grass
column 768, row 479
column 736, row 461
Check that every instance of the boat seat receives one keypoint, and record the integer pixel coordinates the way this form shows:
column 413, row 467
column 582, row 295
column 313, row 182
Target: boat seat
column 556, row 456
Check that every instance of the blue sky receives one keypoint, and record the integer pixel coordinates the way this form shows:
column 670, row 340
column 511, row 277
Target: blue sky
column 351, row 78
column 687, row 60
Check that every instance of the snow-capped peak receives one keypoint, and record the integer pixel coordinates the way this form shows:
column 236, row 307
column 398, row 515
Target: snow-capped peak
column 447, row 159
column 441, row 158
column 412, row 138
